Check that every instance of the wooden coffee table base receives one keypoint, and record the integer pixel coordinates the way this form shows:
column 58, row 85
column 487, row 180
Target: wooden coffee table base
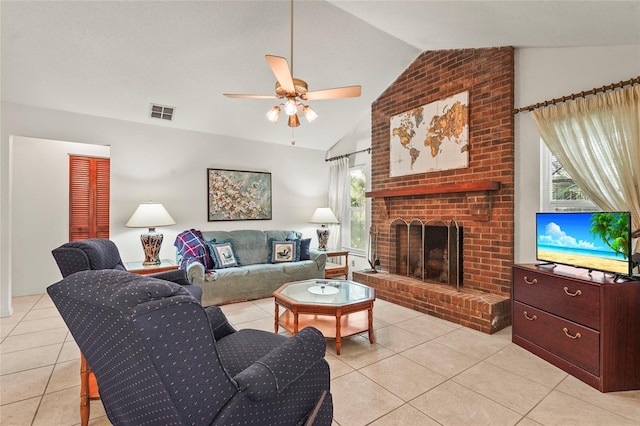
column 338, row 308
column 332, row 327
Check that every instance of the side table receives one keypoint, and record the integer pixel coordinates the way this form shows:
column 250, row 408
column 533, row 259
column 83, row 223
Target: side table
column 333, row 270
column 140, row 269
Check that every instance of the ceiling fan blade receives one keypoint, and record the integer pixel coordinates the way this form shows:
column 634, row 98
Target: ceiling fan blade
column 338, row 92
column 280, row 69
column 239, row 95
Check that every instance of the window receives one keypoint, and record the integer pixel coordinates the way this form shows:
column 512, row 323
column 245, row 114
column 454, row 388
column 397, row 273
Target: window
column 559, row 192
column 357, row 235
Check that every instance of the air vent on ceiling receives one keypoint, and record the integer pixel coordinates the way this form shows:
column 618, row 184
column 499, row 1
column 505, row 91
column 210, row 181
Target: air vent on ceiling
column 162, row 112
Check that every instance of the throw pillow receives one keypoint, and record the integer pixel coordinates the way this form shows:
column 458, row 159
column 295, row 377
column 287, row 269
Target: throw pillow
column 283, row 251
column 223, row 254
column 305, row 245
column 210, row 250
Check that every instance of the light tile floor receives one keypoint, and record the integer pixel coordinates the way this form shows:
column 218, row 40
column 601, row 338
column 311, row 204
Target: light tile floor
column 420, row 371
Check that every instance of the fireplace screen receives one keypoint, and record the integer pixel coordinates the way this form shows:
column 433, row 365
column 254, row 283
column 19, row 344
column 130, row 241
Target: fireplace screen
column 430, row 251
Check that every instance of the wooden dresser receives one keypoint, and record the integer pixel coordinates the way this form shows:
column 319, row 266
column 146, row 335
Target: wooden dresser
column 587, row 325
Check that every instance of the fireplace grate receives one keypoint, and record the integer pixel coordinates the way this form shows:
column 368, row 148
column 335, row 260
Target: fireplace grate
column 430, row 251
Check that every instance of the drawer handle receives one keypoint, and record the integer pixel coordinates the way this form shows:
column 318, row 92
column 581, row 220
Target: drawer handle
column 532, row 318
column 532, row 282
column 577, row 293
column 566, row 333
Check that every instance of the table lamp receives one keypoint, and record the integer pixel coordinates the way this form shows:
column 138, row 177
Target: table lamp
column 150, row 215
column 324, row 216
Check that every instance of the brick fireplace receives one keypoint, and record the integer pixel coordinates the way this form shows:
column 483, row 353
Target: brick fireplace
column 478, row 198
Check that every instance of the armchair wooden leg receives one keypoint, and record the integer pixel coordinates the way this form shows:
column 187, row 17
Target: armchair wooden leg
column 88, row 389
column 84, row 390
column 314, row 413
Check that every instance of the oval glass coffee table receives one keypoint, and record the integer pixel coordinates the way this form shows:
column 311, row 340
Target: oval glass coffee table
column 338, row 308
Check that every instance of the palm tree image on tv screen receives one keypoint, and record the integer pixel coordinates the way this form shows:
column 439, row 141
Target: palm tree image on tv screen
column 613, row 229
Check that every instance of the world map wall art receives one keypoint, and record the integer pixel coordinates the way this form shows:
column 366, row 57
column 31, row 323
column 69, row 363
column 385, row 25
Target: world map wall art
column 431, row 138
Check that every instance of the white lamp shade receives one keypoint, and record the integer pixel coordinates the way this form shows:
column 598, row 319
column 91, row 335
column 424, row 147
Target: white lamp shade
column 323, row 215
column 150, row 215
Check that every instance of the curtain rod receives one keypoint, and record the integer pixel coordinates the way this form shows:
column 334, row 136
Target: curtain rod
column 573, row 96
column 347, row 155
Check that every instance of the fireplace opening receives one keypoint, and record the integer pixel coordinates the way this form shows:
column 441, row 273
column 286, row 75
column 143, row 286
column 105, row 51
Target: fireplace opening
column 430, row 251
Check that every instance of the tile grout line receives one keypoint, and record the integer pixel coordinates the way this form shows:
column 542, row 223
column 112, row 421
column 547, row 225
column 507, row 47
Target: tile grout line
column 44, row 392
column 596, row 404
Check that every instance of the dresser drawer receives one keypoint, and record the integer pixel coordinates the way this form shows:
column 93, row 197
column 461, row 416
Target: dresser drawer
column 571, row 299
column 576, row 344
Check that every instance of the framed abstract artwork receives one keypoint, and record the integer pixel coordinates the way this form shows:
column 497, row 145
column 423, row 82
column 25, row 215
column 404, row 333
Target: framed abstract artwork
column 431, row 137
column 238, row 195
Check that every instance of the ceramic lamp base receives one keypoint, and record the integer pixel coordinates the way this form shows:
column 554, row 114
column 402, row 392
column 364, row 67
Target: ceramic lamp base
column 323, row 237
column 151, row 243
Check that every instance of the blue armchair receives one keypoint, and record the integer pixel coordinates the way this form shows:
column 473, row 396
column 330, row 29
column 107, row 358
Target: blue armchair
column 101, row 253
column 162, row 358
column 98, row 254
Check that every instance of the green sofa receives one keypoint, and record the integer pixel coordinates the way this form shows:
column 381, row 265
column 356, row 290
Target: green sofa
column 256, row 278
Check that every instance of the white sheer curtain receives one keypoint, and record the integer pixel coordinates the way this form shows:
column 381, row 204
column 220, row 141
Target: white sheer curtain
column 597, row 140
column 338, row 199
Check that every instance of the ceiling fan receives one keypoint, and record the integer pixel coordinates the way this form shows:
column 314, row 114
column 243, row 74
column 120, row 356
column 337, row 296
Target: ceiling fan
column 293, row 90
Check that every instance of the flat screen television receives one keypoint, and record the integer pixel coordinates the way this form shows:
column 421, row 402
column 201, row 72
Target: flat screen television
column 597, row 241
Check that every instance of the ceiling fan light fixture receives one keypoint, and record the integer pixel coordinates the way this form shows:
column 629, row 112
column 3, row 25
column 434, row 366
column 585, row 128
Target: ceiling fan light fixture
column 290, row 107
column 309, row 113
column 274, row 114
column 293, row 120
column 293, row 91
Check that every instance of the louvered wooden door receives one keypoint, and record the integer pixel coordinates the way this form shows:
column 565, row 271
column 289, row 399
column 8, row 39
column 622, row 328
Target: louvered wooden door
column 88, row 197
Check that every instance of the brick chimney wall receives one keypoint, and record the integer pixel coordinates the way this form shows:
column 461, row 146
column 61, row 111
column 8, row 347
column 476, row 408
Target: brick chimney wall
column 486, row 216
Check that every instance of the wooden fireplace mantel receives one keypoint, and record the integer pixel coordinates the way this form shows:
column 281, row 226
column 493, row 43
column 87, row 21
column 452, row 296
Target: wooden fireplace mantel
column 485, row 185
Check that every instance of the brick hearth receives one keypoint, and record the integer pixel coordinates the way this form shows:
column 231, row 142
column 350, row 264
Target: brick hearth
column 471, row 308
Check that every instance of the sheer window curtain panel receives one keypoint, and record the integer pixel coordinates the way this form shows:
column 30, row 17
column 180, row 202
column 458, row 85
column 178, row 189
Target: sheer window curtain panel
column 597, row 140
column 338, row 199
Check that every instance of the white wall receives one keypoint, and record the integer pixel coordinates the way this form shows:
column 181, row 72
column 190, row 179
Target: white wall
column 544, row 74
column 40, row 206
column 148, row 163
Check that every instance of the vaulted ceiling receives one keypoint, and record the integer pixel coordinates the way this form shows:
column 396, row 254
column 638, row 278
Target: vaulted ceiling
column 114, row 58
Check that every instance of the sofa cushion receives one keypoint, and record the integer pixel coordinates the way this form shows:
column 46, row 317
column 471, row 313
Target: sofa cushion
column 223, row 254
column 283, row 235
column 283, row 251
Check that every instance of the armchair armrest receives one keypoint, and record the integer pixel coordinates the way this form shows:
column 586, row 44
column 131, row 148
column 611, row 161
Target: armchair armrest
column 271, row 374
column 320, row 257
column 219, row 323
column 196, row 272
column 177, row 276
